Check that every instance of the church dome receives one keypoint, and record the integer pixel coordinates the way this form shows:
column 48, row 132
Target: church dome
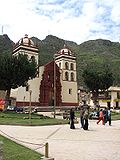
column 65, row 50
column 26, row 41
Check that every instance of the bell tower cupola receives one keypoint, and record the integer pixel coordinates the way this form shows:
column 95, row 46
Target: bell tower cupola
column 26, row 46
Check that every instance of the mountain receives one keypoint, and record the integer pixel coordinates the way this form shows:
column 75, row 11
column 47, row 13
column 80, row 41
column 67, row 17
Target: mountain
column 91, row 51
column 97, row 51
column 6, row 45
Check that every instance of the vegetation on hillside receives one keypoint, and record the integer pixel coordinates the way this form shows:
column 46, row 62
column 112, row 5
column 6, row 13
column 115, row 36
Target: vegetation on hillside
column 99, row 50
column 93, row 51
column 97, row 77
column 6, row 45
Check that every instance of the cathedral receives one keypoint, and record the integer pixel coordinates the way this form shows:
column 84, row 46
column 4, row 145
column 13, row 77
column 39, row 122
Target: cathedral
column 55, row 83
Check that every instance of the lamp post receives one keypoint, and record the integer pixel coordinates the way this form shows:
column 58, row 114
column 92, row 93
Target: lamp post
column 30, row 106
column 54, row 87
column 23, row 101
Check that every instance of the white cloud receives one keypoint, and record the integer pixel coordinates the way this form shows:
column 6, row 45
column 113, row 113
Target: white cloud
column 75, row 20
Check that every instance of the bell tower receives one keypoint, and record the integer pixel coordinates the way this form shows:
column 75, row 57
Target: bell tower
column 66, row 61
column 26, row 46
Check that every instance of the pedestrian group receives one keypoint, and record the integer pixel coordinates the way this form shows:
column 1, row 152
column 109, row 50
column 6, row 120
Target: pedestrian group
column 104, row 116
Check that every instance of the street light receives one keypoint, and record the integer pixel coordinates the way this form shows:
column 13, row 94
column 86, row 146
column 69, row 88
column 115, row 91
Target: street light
column 54, row 109
column 30, row 106
column 23, row 101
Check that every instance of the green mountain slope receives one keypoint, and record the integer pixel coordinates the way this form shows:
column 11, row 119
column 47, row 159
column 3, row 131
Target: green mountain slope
column 100, row 51
column 88, row 52
column 6, row 45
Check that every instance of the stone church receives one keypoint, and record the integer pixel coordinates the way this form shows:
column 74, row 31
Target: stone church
column 56, row 82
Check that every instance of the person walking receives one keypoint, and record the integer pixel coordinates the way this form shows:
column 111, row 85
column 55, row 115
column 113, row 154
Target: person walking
column 105, row 113
column 109, row 117
column 72, row 117
column 101, row 117
column 85, row 117
column 81, row 116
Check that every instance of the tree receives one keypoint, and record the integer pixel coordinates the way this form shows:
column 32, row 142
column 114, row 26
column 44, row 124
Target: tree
column 97, row 77
column 15, row 71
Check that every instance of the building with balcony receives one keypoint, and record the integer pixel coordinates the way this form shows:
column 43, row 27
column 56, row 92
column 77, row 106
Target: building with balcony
column 110, row 98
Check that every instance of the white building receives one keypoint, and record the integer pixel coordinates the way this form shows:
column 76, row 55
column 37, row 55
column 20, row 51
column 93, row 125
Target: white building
column 55, row 83
column 112, row 99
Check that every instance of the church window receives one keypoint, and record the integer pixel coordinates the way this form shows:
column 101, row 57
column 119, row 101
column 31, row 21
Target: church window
column 66, row 76
column 70, row 91
column 72, row 76
column 68, row 52
column 33, row 58
column 60, row 65
column 27, row 88
column 66, row 65
column 72, row 66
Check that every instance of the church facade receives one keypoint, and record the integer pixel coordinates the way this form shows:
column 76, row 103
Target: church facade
column 55, row 83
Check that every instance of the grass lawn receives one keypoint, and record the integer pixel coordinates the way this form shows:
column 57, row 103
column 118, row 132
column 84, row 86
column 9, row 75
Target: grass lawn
column 14, row 151
column 115, row 116
column 23, row 119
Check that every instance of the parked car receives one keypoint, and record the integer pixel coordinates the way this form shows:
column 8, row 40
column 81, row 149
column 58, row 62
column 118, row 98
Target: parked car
column 93, row 115
column 10, row 108
column 19, row 109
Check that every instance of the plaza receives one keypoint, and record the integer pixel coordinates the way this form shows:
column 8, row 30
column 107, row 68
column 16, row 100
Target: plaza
column 98, row 143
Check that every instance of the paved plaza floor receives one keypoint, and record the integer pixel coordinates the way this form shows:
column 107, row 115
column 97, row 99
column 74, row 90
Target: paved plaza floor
column 98, row 143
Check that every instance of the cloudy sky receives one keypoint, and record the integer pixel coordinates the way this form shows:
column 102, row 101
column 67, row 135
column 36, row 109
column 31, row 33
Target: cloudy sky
column 74, row 20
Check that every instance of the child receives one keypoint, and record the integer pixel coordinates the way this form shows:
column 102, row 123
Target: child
column 101, row 117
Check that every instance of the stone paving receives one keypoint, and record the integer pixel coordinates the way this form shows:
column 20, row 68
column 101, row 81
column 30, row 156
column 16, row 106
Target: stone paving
column 98, row 143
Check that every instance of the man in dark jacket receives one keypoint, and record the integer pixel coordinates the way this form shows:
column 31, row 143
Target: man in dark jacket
column 72, row 117
column 81, row 116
